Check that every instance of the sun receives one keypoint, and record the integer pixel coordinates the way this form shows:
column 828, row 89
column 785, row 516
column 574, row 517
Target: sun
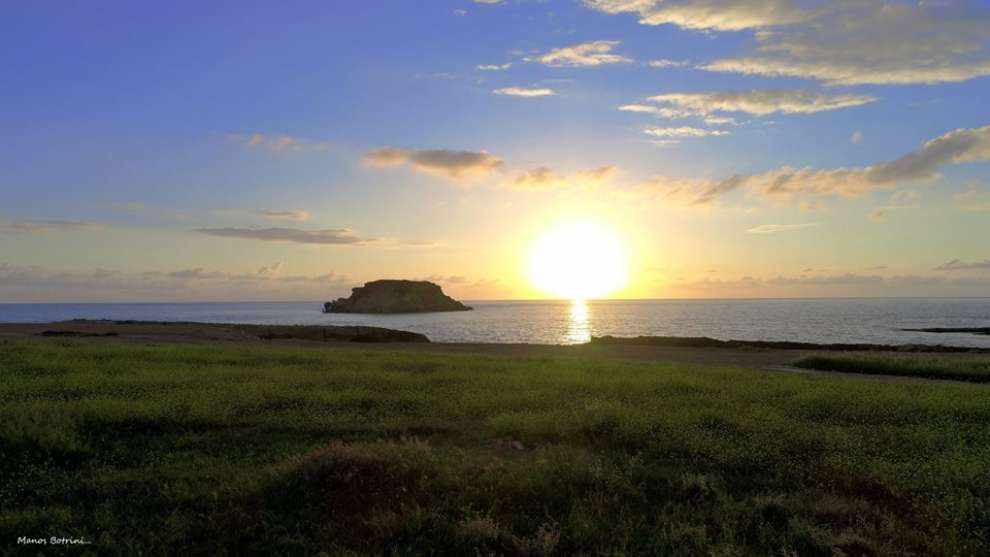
column 578, row 261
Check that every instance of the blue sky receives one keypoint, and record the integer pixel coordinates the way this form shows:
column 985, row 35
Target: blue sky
column 233, row 151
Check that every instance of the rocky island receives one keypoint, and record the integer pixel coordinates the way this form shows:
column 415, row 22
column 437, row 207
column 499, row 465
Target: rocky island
column 395, row 296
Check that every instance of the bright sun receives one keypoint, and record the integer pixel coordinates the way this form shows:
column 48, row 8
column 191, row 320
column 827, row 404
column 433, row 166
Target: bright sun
column 579, row 261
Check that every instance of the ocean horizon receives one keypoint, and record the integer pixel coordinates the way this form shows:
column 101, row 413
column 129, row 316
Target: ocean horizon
column 817, row 320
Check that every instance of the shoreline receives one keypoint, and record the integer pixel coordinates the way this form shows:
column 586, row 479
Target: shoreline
column 695, row 351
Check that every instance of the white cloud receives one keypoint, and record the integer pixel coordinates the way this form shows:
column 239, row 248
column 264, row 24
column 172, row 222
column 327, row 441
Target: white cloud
column 683, row 131
column 761, row 102
column 455, row 165
column 725, row 15
column 525, row 92
column 665, row 63
column 856, row 137
column 855, row 43
column 494, row 67
column 776, row 228
column 595, row 53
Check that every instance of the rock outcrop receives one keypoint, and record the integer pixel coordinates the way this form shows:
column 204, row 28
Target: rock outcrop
column 395, row 296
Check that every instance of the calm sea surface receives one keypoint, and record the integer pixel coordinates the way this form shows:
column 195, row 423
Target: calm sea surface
column 824, row 321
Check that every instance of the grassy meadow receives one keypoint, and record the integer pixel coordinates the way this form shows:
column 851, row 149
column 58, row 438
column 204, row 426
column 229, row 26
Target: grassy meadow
column 253, row 449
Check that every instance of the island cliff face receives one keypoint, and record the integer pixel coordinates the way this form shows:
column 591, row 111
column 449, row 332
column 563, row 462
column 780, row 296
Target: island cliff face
column 395, row 296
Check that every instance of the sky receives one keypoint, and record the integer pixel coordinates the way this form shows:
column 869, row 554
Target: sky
column 292, row 150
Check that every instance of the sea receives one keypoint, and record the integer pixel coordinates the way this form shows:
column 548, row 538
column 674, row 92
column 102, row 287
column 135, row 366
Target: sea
column 878, row 321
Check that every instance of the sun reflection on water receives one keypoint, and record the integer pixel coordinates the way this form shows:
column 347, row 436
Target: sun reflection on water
column 579, row 326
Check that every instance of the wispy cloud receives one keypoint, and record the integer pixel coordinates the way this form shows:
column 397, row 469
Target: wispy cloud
column 854, row 43
column 682, row 132
column 724, row 15
column 45, row 226
column 329, row 236
column 455, row 165
column 776, row 228
column 760, row 102
column 494, row 67
column 544, row 178
column 277, row 143
column 955, row 147
column 959, row 265
column 266, row 283
column 666, row 63
column 525, row 92
column 974, row 200
column 590, row 54
column 298, row 216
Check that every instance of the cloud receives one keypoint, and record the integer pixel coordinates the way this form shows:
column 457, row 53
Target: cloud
column 267, row 283
column 278, row 143
column 330, row 236
column 525, row 92
column 452, row 279
column 45, row 226
column 958, row 265
column 760, row 102
column 455, row 165
column 856, row 138
column 898, row 201
column 855, row 43
column 298, row 216
column 955, row 147
column 460, row 13
column 544, row 178
column 683, row 131
column 723, row 15
column 775, row 228
column 666, row 63
column 590, row 54
column 975, row 200
column 494, row 67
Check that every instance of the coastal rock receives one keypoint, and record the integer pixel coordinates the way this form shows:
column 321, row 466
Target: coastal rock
column 395, row 296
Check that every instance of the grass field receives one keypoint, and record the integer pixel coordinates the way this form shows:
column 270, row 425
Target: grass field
column 974, row 370
column 249, row 449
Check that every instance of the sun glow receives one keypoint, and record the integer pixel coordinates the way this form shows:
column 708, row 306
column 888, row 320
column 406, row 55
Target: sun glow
column 578, row 261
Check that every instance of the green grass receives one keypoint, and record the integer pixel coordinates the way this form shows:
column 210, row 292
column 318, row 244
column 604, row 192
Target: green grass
column 974, row 370
column 231, row 449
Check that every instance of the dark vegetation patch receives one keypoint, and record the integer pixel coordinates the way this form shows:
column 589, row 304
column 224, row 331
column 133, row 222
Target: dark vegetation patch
column 706, row 342
column 974, row 370
column 227, row 449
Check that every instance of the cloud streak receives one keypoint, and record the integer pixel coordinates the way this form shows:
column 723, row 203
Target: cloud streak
column 955, row 147
column 298, row 216
column 454, row 165
column 46, row 226
column 584, row 55
column 777, row 228
column 329, row 236
column 722, row 15
column 525, row 92
column 760, row 102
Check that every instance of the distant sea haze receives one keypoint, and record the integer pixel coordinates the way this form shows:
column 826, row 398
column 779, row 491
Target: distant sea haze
column 560, row 322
